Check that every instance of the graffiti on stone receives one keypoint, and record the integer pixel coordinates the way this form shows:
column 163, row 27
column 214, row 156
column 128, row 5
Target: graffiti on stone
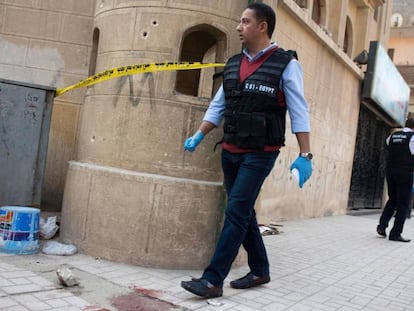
column 136, row 90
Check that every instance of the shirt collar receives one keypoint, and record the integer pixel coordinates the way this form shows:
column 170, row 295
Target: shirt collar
column 258, row 55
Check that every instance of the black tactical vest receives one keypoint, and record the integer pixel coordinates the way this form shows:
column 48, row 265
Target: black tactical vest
column 254, row 117
column 399, row 155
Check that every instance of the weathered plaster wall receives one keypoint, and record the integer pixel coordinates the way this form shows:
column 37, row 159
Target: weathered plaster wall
column 48, row 43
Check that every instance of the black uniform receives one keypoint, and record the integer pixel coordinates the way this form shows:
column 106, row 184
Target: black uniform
column 400, row 167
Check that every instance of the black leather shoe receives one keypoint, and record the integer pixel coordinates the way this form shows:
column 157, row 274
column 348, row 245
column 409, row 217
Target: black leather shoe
column 399, row 239
column 249, row 280
column 200, row 287
column 381, row 232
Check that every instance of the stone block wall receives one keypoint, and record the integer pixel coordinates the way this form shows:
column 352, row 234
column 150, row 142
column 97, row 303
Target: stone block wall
column 48, row 43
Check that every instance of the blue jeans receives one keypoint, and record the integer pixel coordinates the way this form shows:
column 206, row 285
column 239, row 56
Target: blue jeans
column 244, row 175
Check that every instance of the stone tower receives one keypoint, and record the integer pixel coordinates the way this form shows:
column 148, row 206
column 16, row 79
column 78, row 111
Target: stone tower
column 133, row 194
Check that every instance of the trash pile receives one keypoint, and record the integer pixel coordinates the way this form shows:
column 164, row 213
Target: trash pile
column 47, row 230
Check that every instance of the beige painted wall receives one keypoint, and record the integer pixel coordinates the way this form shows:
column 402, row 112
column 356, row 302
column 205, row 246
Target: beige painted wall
column 404, row 50
column 402, row 43
column 331, row 84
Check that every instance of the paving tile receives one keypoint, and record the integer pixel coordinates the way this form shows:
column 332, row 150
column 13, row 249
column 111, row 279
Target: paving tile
column 316, row 264
column 21, row 289
column 20, row 281
column 6, row 302
column 17, row 274
column 15, row 308
column 31, row 302
column 70, row 308
column 52, row 294
column 57, row 303
column 5, row 282
column 41, row 281
column 76, row 301
column 275, row 306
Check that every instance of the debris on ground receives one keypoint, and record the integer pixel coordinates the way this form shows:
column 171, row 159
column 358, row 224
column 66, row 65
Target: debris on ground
column 66, row 277
column 215, row 302
column 270, row 229
column 56, row 248
column 48, row 228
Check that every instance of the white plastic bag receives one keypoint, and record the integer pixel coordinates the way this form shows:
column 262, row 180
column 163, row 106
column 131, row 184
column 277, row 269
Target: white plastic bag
column 48, row 229
column 56, row 248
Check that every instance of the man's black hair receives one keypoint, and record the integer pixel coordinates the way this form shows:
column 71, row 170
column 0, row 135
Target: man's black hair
column 264, row 13
column 409, row 123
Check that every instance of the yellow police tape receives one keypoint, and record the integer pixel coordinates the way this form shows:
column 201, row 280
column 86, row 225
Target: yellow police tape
column 135, row 69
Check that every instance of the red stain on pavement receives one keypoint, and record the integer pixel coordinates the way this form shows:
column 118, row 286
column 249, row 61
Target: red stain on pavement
column 136, row 301
column 148, row 292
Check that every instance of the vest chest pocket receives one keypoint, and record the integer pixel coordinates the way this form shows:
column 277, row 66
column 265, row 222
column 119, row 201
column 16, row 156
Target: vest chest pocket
column 251, row 130
column 275, row 130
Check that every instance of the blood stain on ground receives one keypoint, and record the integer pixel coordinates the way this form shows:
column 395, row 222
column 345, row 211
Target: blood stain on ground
column 139, row 302
column 148, row 292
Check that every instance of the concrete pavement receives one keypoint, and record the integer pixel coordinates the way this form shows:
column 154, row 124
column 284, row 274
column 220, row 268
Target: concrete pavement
column 330, row 263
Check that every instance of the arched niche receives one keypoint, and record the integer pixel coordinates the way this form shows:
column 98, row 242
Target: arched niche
column 202, row 43
column 94, row 52
column 348, row 37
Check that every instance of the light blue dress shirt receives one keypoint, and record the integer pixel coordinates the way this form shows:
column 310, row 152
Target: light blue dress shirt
column 292, row 85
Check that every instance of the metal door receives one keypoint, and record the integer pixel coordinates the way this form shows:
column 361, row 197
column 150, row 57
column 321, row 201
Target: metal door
column 368, row 172
column 25, row 112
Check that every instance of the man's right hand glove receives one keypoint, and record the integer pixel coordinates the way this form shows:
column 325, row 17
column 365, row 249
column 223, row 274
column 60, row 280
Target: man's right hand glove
column 192, row 142
column 304, row 166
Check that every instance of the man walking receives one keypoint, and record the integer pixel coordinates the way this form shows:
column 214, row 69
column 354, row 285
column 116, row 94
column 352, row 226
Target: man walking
column 259, row 86
column 400, row 167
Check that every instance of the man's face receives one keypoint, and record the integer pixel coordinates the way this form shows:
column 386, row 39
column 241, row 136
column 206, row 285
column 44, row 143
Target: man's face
column 250, row 28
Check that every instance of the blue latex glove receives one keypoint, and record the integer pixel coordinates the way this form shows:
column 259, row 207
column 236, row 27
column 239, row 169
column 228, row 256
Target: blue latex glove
column 304, row 166
column 192, row 142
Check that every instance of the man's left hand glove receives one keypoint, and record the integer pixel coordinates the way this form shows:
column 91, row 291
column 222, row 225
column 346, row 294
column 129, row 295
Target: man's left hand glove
column 192, row 142
column 304, row 166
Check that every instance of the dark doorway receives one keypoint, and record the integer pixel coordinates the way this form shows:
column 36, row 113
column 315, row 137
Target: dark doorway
column 368, row 172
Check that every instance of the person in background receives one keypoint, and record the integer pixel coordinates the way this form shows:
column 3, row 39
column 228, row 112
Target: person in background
column 259, row 86
column 399, row 174
column 411, row 204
